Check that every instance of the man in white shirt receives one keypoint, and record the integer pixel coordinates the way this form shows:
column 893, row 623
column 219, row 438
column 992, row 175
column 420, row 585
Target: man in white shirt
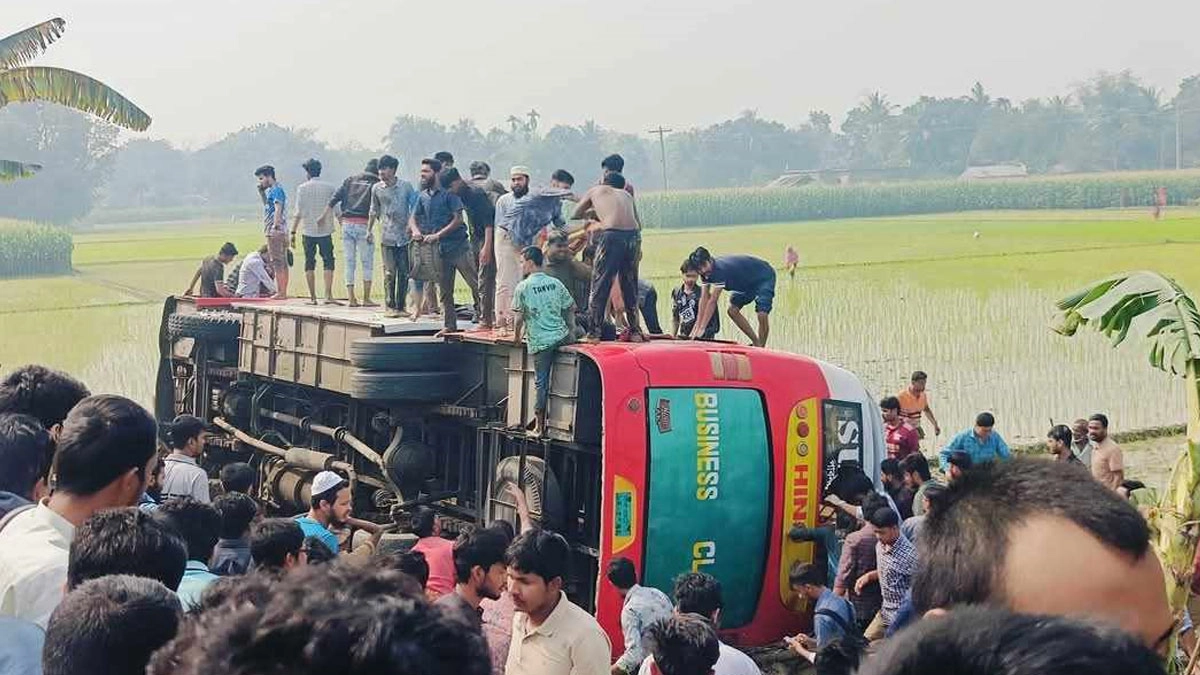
column 254, row 281
column 106, row 449
column 699, row 593
column 550, row 634
column 182, row 475
column 641, row 607
column 312, row 197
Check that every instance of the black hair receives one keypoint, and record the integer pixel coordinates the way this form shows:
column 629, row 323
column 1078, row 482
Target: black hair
column 372, row 166
column 683, row 645
column 539, row 552
column 614, row 163
column 997, row 642
column 447, row 177
column 265, row 170
column 228, row 249
column 804, row 574
column 891, row 467
column 1131, row 485
column 850, row 482
column 1101, row 418
column 919, row 376
column 423, row 521
column 389, row 162
column 986, row 420
column 183, row 429
column 505, row 529
column 237, row 512
column 254, row 587
column 621, row 573
column 557, row 236
column 698, row 258
column 433, row 164
column 534, row 255
column 477, row 548
column 412, row 563
column 444, row 157
column 963, row 546
column 615, row 180
column 872, row 502
column 918, row 464
column 198, row 523
column 326, row 619
column 882, row 518
column 25, row 453
column 312, row 167
column 936, row 494
column 110, row 626
column 961, row 459
column 126, row 541
column 480, row 168
column 697, row 593
column 318, row 552
column 102, row 439
column 889, row 403
column 1062, row 433
column 563, row 176
column 238, row 477
column 839, row 656
column 40, row 392
column 273, row 539
column 329, row 495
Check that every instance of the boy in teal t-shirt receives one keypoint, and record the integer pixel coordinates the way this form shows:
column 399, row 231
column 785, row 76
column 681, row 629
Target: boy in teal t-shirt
column 545, row 306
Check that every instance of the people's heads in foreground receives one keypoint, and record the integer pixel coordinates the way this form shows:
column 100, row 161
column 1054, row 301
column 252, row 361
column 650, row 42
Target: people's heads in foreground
column 615, row 181
column 558, row 246
column 479, row 562
column 319, row 620
column 886, row 523
column 277, row 544
column 806, row 580
column 997, row 642
column 480, row 169
column 42, row 393
column 110, row 626
column 960, row 463
column 537, row 566
column 690, row 276
column 698, row 593
column 413, row 564
column 126, row 541
column 227, row 253
column 1017, row 534
column 621, row 574
column 26, row 451
column 445, row 158
column 1079, row 431
column 187, row 435
column 916, row 470
column 238, row 477
column 106, row 450
column 452, row 181
column 198, row 523
column 531, row 260
column 683, row 644
column 1058, row 441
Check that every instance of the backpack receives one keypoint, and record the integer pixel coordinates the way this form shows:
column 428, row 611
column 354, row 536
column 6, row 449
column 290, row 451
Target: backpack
column 853, row 635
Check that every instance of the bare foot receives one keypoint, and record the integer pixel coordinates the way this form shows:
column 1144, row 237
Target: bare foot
column 331, row 301
column 483, row 325
column 368, row 303
column 279, row 296
column 312, row 302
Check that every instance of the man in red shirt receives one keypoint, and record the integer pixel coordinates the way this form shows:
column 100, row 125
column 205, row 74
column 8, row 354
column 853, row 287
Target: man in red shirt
column 439, row 552
column 901, row 439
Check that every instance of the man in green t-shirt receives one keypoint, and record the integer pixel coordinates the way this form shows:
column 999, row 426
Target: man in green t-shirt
column 542, row 304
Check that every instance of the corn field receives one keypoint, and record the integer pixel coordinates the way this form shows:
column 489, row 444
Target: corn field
column 706, row 208
column 28, row 249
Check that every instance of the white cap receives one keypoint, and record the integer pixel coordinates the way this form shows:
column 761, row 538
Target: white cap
column 519, row 170
column 325, row 481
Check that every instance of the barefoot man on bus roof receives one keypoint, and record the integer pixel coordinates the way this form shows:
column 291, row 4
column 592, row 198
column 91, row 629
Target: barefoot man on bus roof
column 618, row 241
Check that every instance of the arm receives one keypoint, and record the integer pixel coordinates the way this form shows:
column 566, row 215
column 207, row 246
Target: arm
column 937, row 428
column 195, row 277
column 865, row 579
column 1002, row 450
column 841, row 582
column 489, row 242
column 674, row 318
column 585, row 205
column 569, row 317
column 631, row 630
column 708, row 307
column 280, row 216
column 455, row 222
column 259, row 272
column 944, row 455
column 374, row 211
column 518, row 496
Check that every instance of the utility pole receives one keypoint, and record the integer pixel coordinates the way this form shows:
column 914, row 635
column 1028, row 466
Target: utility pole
column 662, row 148
column 1178, row 139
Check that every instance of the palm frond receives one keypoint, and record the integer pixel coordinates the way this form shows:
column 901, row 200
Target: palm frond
column 1145, row 304
column 72, row 89
column 21, row 47
column 10, row 170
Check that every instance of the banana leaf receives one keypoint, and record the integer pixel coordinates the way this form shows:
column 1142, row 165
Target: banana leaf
column 21, row 47
column 71, row 89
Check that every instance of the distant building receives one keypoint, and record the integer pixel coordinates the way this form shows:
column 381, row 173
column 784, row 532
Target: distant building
column 1015, row 170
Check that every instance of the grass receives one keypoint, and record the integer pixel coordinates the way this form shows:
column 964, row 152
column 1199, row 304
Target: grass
column 880, row 296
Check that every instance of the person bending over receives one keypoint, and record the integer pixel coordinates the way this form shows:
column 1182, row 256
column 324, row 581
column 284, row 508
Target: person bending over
column 747, row 279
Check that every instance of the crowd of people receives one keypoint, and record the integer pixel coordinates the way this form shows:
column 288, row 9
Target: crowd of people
column 494, row 237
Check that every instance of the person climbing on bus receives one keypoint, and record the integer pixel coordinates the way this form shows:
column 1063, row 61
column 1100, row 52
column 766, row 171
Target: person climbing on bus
column 544, row 304
column 747, row 278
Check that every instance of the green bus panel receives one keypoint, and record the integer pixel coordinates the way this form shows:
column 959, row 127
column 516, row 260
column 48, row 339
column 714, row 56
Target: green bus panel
column 709, row 493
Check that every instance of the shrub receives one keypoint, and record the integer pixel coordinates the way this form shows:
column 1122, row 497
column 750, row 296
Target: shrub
column 28, row 249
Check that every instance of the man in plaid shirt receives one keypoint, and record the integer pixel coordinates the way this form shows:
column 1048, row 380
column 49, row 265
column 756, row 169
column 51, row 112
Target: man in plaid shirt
column 897, row 562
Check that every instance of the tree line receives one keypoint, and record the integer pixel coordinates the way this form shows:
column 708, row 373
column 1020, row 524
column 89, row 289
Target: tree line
column 1113, row 121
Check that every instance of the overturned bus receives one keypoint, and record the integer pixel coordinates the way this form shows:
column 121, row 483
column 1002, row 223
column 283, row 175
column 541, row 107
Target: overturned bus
column 678, row 455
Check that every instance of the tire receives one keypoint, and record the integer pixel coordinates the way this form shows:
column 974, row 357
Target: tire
column 408, row 466
column 400, row 354
column 420, row 387
column 542, row 492
column 211, row 326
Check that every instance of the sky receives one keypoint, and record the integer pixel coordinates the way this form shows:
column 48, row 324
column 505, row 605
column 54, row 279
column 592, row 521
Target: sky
column 347, row 68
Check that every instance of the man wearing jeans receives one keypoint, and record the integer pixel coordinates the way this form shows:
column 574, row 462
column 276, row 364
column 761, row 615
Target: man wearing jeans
column 438, row 217
column 481, row 217
column 618, row 249
column 391, row 203
column 358, row 241
column 312, row 196
column 274, row 225
column 542, row 303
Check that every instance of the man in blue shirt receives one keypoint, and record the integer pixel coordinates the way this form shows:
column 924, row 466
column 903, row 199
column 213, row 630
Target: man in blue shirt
column 982, row 443
column 748, row 279
column 833, row 616
column 330, row 508
column 275, row 225
column 438, row 217
column 199, row 525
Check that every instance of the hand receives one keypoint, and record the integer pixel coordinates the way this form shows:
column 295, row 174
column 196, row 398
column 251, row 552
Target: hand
column 433, row 237
column 485, row 257
column 834, row 500
column 861, row 583
column 937, row 430
column 418, row 237
column 187, row 293
column 513, row 491
column 370, row 238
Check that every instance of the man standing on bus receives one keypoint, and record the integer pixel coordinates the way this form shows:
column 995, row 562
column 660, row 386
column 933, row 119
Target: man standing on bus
column 747, row 279
column 542, row 303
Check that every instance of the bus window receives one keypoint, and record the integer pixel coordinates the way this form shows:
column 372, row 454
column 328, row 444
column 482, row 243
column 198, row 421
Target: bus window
column 709, row 494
